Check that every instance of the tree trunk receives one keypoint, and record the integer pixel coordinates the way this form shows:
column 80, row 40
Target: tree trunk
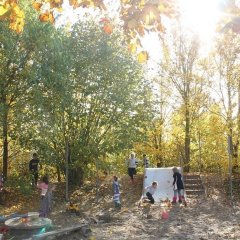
column 200, row 165
column 58, row 174
column 5, row 136
column 235, row 147
column 76, row 176
column 187, row 141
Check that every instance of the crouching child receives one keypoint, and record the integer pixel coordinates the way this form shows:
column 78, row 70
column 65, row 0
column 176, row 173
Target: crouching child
column 150, row 190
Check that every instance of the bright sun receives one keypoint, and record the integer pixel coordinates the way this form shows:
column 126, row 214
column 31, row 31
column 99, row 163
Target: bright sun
column 200, row 16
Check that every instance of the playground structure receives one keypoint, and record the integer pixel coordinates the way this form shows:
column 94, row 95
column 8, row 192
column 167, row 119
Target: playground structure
column 164, row 177
column 29, row 222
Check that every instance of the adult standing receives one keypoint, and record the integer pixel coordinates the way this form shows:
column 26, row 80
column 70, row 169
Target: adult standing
column 132, row 164
column 145, row 161
column 33, row 168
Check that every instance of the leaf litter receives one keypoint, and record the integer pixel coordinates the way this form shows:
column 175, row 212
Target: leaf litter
column 203, row 218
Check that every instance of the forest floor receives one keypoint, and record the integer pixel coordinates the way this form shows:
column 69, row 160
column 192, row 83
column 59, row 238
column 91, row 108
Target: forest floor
column 209, row 217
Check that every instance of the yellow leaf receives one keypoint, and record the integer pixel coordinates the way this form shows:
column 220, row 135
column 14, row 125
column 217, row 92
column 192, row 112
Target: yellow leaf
column 125, row 1
column 161, row 7
column 17, row 25
column 132, row 47
column 60, row 9
column 142, row 3
column 142, row 57
column 17, row 11
column 4, row 11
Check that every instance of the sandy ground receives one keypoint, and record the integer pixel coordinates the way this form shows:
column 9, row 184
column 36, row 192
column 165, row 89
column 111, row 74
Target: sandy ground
column 200, row 220
column 203, row 218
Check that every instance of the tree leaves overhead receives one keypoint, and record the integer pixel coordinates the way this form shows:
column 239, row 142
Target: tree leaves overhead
column 232, row 9
column 140, row 15
column 142, row 57
column 10, row 10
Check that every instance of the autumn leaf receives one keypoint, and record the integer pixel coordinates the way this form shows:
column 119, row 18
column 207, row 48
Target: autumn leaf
column 37, row 6
column 56, row 3
column 17, row 12
column 4, row 11
column 132, row 47
column 75, row 3
column 108, row 28
column 142, row 57
column 47, row 17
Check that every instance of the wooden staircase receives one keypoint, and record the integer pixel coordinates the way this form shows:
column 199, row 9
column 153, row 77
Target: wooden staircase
column 193, row 185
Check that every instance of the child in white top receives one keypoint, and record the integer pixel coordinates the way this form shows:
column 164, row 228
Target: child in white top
column 132, row 164
column 150, row 190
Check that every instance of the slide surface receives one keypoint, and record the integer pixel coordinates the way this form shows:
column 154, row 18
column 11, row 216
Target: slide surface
column 164, row 177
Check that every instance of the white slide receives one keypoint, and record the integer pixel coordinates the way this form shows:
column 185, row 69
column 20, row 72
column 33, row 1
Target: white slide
column 164, row 178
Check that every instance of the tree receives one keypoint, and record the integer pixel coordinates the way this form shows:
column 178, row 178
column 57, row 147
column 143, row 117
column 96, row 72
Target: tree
column 18, row 56
column 226, row 63
column 154, row 144
column 89, row 106
column 180, row 64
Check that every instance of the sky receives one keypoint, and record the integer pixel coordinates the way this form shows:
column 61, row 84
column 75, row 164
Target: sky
column 198, row 16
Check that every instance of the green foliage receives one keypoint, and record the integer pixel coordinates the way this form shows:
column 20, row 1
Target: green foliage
column 88, row 91
column 83, row 88
column 21, row 182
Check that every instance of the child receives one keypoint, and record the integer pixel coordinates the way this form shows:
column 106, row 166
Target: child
column 116, row 190
column 49, row 197
column 150, row 190
column 178, row 187
column 145, row 161
column 132, row 164
column 44, row 209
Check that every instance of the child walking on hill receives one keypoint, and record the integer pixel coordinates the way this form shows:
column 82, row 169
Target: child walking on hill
column 150, row 190
column 178, row 187
column 116, row 190
column 132, row 164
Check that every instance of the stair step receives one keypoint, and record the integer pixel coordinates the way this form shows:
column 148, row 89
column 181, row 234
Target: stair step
column 191, row 176
column 194, row 192
column 193, row 181
column 194, row 186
